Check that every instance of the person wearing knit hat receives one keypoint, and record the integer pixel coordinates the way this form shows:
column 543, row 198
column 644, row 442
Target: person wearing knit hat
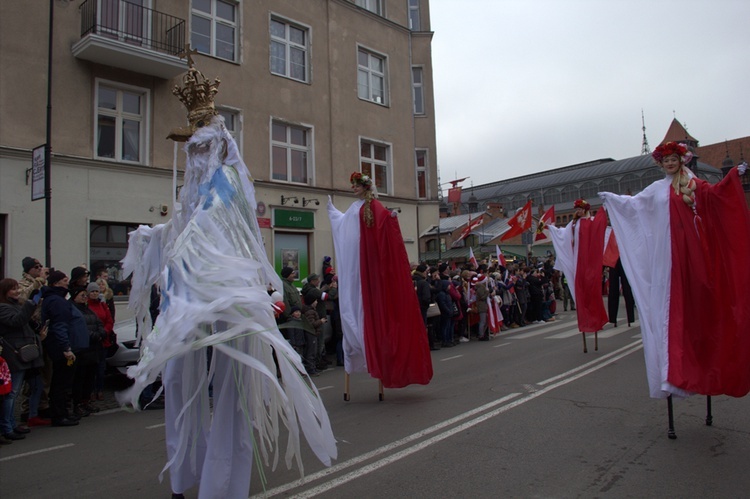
column 33, row 278
column 56, row 277
column 286, row 272
column 79, row 276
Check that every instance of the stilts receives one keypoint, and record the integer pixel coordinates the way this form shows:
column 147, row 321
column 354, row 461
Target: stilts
column 381, row 394
column 596, row 341
column 585, row 349
column 709, row 416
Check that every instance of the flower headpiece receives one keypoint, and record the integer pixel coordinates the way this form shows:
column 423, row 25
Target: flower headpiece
column 669, row 148
column 363, row 180
column 583, row 204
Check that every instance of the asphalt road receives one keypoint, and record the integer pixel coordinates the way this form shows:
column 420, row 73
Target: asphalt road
column 527, row 414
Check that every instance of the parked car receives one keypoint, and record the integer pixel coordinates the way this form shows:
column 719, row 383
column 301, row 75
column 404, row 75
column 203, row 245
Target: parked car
column 128, row 346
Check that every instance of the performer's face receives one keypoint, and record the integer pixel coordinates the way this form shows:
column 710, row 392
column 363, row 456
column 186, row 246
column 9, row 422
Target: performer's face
column 358, row 190
column 671, row 164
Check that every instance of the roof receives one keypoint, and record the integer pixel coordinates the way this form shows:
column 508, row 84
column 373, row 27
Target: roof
column 714, row 154
column 677, row 133
column 517, row 251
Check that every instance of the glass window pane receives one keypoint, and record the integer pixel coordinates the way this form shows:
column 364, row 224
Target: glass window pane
column 378, row 92
column 421, row 155
column 416, row 74
column 297, row 63
column 380, row 152
column 299, row 166
column 98, row 233
column 298, row 136
column 421, row 184
column 366, row 168
column 225, row 10
column 362, row 59
column 118, row 234
column 200, row 37
column 107, row 98
column 296, row 35
column 278, row 162
column 376, row 64
column 365, row 150
column 418, row 101
column 202, row 5
column 278, row 132
column 131, row 103
column 363, row 85
column 278, row 29
column 105, row 147
column 278, row 58
column 381, row 177
column 225, row 42
column 229, row 120
column 131, row 140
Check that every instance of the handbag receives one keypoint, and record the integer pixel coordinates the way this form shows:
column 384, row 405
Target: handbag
column 26, row 353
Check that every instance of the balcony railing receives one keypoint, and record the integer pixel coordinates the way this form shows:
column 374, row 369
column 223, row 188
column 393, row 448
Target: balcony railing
column 133, row 24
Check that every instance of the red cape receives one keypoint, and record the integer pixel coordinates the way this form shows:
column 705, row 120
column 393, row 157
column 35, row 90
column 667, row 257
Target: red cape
column 709, row 314
column 396, row 344
column 591, row 313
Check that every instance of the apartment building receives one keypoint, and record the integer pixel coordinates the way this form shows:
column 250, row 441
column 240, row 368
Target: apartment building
column 311, row 89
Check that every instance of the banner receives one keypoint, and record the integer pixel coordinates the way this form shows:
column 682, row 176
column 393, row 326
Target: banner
column 542, row 232
column 38, row 173
column 454, row 195
column 520, row 222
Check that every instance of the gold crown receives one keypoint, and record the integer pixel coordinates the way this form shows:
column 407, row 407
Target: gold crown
column 197, row 94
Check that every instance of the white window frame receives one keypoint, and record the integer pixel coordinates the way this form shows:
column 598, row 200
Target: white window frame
column 120, row 115
column 415, row 13
column 215, row 21
column 374, row 6
column 370, row 73
column 418, row 90
column 387, row 163
column 235, row 126
column 289, row 147
column 422, row 169
column 289, row 45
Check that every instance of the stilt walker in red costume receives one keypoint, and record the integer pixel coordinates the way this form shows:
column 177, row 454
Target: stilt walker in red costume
column 683, row 243
column 384, row 333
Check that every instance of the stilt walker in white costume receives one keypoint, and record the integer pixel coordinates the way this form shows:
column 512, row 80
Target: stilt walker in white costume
column 212, row 269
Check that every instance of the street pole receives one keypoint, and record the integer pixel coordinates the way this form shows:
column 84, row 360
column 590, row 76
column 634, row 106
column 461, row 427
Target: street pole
column 48, row 150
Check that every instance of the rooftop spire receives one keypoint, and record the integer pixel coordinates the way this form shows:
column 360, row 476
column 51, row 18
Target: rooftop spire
column 645, row 149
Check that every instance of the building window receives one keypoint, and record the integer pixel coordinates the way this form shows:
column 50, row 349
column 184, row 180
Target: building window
column 375, row 6
column 414, row 22
column 374, row 160
column 569, row 193
column 650, row 177
column 552, row 196
column 120, row 122
column 291, row 152
column 233, row 124
column 608, row 185
column 630, row 184
column 371, row 76
column 421, row 165
column 108, row 243
column 588, row 190
column 289, row 49
column 418, row 89
column 213, row 28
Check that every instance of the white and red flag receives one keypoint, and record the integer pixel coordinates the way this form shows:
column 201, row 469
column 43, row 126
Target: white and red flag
column 519, row 222
column 500, row 257
column 472, row 259
column 542, row 230
column 470, row 226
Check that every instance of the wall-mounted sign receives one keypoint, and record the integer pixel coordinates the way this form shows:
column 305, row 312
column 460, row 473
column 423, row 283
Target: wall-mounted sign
column 264, row 223
column 261, row 209
column 294, row 219
column 38, row 173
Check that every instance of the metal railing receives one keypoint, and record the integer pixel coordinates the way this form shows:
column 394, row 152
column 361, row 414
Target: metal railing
column 133, row 24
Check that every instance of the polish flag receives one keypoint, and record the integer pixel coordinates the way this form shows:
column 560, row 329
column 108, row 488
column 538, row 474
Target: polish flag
column 500, row 257
column 472, row 259
column 469, row 227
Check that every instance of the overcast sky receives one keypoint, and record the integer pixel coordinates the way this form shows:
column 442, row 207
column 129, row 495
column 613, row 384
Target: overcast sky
column 525, row 86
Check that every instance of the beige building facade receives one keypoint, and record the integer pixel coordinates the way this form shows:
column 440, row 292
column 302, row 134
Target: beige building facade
column 312, row 90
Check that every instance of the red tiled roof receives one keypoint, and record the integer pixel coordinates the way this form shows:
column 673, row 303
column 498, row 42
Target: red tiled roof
column 714, row 154
column 677, row 133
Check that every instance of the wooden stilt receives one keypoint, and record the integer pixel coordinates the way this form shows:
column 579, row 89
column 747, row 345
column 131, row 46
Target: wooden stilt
column 346, row 386
column 596, row 340
column 709, row 416
column 381, row 395
column 671, row 434
column 585, row 350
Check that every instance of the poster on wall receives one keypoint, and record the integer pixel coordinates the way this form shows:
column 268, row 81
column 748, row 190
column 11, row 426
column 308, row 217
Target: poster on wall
column 38, row 173
column 290, row 258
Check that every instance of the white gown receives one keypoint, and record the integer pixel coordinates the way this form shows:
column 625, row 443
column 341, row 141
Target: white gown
column 213, row 272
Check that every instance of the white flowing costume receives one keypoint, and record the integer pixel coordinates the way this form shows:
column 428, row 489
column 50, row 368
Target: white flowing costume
column 212, row 268
column 641, row 223
column 345, row 227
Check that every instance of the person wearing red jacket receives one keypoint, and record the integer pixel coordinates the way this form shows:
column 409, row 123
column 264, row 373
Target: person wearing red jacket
column 101, row 310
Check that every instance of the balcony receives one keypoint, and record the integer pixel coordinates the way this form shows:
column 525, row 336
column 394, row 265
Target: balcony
column 126, row 35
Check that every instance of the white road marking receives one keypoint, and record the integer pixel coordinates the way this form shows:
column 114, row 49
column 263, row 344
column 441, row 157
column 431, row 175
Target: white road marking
column 451, row 358
column 40, row 451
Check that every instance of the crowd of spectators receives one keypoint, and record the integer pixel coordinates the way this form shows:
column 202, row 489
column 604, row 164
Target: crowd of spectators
column 55, row 334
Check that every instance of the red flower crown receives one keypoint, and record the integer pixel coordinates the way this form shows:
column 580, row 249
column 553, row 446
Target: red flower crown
column 669, row 148
column 363, row 180
column 580, row 203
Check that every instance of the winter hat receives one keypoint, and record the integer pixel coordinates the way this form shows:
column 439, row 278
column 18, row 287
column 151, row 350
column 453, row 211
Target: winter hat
column 286, row 272
column 77, row 273
column 76, row 291
column 312, row 277
column 421, row 267
column 28, row 263
column 442, row 267
column 295, row 309
column 92, row 287
column 326, row 259
column 55, row 276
